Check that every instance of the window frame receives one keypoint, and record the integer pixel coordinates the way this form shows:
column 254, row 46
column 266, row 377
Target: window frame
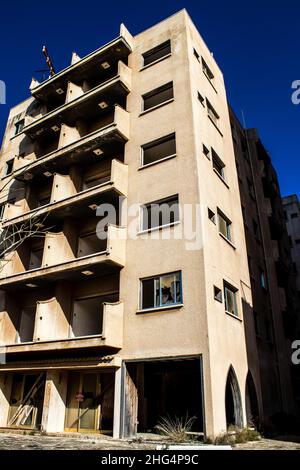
column 17, row 124
column 159, row 202
column 217, row 161
column 228, row 223
column 233, row 290
column 154, row 143
column 158, row 278
column 155, row 49
column 149, row 94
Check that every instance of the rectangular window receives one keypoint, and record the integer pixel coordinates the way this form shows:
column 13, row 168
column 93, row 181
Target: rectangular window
column 9, row 166
column 161, row 291
column 158, row 52
column 206, row 151
column 212, row 114
column 158, row 96
column 201, row 99
column 224, row 226
column 19, row 127
column 196, row 54
column 160, row 213
column 159, row 149
column 218, row 165
column 207, row 71
column 262, row 279
column 230, row 294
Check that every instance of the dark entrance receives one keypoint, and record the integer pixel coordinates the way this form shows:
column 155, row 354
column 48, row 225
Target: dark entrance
column 233, row 404
column 160, row 389
column 251, row 402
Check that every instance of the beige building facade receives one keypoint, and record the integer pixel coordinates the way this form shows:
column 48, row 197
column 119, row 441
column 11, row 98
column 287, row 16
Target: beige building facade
column 108, row 327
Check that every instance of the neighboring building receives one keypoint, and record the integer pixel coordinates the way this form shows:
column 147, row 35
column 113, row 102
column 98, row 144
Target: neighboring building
column 111, row 334
column 291, row 207
column 275, row 305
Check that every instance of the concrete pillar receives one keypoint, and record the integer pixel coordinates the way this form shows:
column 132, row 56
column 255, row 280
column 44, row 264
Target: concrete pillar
column 117, row 404
column 54, row 408
column 5, row 392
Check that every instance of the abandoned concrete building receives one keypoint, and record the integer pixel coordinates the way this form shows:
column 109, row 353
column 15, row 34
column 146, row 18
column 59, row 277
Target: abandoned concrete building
column 110, row 333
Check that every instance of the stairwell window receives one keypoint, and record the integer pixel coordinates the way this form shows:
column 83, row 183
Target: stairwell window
column 230, row 296
column 212, row 114
column 224, row 226
column 159, row 52
column 218, row 165
column 159, row 149
column 161, row 291
column 206, row 70
column 160, row 213
column 161, row 95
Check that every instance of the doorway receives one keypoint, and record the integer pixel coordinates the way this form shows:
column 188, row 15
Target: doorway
column 233, row 403
column 89, row 405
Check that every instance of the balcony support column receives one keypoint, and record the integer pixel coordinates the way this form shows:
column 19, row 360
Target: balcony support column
column 117, row 404
column 54, row 407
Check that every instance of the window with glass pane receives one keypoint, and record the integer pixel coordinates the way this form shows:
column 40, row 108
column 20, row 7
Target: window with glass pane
column 158, row 52
column 159, row 213
column 218, row 165
column 212, row 113
column 161, row 291
column 19, row 126
column 158, row 96
column 158, row 149
column 206, row 70
column 224, row 226
column 230, row 294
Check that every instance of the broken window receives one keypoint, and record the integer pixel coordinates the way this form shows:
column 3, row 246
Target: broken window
column 160, row 213
column 159, row 149
column 224, row 225
column 161, row 291
column 160, row 95
column 230, row 294
column 158, row 52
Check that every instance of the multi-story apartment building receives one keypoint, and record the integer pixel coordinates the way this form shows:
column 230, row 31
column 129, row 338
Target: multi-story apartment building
column 275, row 305
column 111, row 326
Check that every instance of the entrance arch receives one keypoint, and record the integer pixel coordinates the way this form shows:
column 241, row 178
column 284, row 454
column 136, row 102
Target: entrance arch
column 233, row 402
column 252, row 412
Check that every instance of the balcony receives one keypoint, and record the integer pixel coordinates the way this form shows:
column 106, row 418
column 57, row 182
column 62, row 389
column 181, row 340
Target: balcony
column 93, row 103
column 76, row 146
column 63, row 199
column 46, row 328
column 95, row 65
column 59, row 259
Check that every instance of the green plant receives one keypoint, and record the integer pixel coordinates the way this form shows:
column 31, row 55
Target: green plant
column 234, row 436
column 176, row 428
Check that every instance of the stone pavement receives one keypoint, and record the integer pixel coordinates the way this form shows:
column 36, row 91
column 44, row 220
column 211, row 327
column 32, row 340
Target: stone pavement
column 11, row 441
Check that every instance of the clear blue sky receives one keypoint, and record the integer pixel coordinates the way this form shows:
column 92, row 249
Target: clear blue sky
column 256, row 43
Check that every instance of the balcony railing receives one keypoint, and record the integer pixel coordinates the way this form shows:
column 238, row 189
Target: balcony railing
column 94, row 102
column 59, row 261
column 52, row 332
column 64, row 195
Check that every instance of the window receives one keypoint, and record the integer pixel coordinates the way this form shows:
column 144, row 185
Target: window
column 294, row 215
column 201, row 99
column 206, row 70
column 255, row 229
column 158, row 149
column 158, row 52
column 19, row 127
column 206, row 151
column 218, row 165
column 196, row 54
column 218, row 294
column 211, row 216
column 262, row 279
column 224, row 225
column 160, row 213
column 230, row 294
column 9, row 166
column 160, row 95
column 212, row 114
column 161, row 291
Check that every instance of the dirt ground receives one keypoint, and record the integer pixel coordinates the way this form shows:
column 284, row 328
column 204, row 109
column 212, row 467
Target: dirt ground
column 12, row 441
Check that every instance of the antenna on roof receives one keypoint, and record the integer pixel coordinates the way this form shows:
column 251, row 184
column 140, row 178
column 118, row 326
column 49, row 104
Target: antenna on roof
column 48, row 61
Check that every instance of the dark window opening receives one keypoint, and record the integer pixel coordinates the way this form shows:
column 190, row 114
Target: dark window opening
column 158, row 149
column 158, row 96
column 160, row 213
column 161, row 291
column 157, row 53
